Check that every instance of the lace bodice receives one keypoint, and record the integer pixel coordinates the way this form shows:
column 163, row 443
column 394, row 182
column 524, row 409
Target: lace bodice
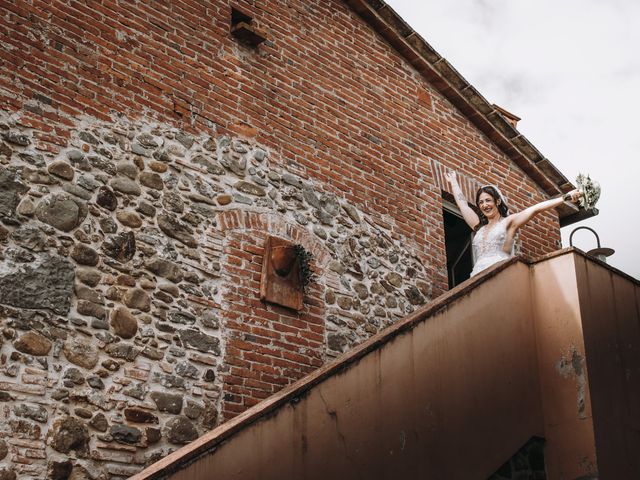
column 487, row 246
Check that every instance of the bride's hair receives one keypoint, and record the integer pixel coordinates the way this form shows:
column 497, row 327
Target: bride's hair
column 496, row 194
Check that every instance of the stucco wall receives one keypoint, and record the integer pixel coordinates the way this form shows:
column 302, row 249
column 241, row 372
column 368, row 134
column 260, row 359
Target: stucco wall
column 610, row 309
column 453, row 397
column 456, row 389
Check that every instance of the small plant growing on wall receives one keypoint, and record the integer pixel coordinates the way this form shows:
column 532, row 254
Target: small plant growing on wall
column 305, row 258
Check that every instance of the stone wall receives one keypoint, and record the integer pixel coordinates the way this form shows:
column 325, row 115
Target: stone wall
column 129, row 290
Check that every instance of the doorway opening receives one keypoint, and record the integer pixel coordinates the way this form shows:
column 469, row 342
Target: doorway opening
column 457, row 239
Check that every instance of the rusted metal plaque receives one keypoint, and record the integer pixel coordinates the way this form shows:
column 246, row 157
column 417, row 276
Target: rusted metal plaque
column 280, row 281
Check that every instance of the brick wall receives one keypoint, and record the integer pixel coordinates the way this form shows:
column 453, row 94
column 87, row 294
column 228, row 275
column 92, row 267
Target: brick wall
column 267, row 346
column 177, row 150
column 366, row 126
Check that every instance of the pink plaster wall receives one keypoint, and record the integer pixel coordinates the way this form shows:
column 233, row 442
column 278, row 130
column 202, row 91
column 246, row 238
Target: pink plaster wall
column 453, row 391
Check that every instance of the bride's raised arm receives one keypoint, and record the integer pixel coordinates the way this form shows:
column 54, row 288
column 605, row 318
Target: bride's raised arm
column 520, row 219
column 467, row 212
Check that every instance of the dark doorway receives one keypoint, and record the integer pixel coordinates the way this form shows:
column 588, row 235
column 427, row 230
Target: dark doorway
column 457, row 238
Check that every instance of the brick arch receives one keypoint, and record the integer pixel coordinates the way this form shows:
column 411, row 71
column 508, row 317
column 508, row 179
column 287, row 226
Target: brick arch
column 276, row 225
column 267, row 347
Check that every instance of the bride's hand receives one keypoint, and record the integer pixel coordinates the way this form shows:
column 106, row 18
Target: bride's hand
column 573, row 195
column 451, row 176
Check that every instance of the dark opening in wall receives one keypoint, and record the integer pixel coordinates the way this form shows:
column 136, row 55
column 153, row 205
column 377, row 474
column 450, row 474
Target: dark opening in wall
column 457, row 239
column 526, row 463
column 242, row 28
column 238, row 16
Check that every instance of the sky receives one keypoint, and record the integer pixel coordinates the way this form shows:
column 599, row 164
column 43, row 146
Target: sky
column 571, row 70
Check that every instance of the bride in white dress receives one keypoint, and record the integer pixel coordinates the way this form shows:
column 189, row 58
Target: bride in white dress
column 494, row 228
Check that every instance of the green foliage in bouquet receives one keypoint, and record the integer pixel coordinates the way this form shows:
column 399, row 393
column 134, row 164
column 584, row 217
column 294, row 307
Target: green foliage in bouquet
column 590, row 191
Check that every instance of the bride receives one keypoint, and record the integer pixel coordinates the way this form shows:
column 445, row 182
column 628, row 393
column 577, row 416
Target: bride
column 495, row 229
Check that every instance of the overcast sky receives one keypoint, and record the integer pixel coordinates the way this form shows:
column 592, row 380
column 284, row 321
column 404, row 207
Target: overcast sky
column 571, row 70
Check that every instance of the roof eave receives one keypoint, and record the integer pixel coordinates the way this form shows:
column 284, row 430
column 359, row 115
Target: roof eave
column 453, row 86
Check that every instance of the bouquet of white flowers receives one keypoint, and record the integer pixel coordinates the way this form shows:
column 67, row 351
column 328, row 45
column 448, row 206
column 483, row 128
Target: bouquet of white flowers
column 590, row 191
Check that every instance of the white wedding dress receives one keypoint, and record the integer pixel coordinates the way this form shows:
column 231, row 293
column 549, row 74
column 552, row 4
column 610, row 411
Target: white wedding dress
column 487, row 246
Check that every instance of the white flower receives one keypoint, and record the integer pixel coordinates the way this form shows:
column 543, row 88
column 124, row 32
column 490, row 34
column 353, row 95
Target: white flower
column 590, row 191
